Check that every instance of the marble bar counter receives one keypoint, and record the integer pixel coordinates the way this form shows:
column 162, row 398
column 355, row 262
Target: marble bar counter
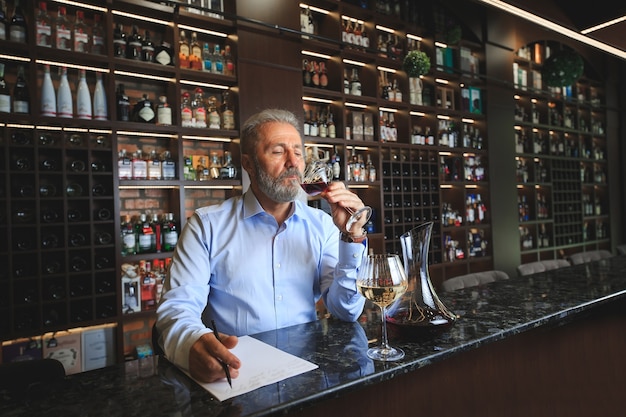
column 548, row 344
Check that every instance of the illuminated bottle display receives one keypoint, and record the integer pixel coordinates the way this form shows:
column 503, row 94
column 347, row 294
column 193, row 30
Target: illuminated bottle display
column 48, row 97
column 198, row 109
column 83, row 98
column 228, row 112
column 123, row 104
column 81, row 34
column 21, row 95
column 17, row 27
column 5, row 96
column 3, row 22
column 43, row 26
column 64, row 96
column 164, row 112
column 62, row 31
column 97, row 36
column 100, row 110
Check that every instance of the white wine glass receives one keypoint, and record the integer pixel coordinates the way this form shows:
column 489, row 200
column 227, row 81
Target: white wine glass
column 382, row 280
column 317, row 175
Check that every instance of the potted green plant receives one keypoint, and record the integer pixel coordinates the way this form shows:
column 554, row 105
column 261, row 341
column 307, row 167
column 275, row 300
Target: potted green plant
column 562, row 68
column 416, row 63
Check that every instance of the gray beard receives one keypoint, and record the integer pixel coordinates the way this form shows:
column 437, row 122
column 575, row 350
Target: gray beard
column 274, row 188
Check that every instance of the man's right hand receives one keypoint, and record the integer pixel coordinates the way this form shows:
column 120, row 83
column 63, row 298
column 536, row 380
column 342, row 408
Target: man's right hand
column 205, row 356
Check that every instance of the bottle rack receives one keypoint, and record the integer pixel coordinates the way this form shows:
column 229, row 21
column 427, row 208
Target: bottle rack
column 561, row 159
column 59, row 254
column 66, row 247
column 410, row 189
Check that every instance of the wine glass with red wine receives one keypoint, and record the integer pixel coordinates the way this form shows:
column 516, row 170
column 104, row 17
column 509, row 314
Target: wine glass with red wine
column 317, row 176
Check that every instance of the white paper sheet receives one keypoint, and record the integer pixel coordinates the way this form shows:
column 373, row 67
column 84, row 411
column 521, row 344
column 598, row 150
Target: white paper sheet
column 261, row 365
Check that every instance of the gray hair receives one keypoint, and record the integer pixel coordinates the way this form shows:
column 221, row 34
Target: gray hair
column 250, row 131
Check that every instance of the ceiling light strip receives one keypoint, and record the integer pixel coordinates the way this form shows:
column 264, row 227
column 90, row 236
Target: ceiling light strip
column 555, row 27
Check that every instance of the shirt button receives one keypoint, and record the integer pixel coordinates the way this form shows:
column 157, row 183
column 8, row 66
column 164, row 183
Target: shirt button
column 279, row 298
column 356, row 255
column 278, row 265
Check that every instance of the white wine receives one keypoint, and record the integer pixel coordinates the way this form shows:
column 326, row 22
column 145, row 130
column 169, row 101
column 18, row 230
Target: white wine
column 381, row 296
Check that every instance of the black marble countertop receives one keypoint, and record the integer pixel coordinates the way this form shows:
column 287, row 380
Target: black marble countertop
column 154, row 387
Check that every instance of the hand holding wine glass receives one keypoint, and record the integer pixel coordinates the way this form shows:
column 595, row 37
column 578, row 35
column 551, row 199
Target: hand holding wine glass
column 382, row 280
column 316, row 179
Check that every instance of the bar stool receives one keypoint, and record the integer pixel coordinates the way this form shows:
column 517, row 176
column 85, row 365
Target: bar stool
column 589, row 256
column 541, row 266
column 473, row 280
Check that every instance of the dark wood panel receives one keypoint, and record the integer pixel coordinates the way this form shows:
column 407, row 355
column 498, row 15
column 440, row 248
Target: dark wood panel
column 572, row 370
column 269, row 74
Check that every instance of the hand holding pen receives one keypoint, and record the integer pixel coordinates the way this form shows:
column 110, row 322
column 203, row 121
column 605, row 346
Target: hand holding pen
column 224, row 364
column 208, row 354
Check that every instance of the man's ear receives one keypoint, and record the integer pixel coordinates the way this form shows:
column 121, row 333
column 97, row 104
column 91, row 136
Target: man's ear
column 246, row 163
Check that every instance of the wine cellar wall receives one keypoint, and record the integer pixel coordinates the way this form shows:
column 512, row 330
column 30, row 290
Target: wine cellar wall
column 124, row 117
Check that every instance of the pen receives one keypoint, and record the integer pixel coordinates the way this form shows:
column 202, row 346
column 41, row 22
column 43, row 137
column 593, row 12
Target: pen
column 224, row 366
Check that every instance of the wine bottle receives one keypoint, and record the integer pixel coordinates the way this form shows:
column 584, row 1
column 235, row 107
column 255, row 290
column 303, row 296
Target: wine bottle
column 228, row 112
column 168, row 166
column 164, row 112
column 229, row 62
column 64, row 96
column 218, row 60
column 3, row 22
column 198, row 108
column 195, row 56
column 147, row 48
column 17, row 28
column 81, row 34
column 183, row 50
column 133, row 44
column 62, row 30
column 100, row 111
column 213, row 115
column 144, row 112
column 44, row 27
column 119, row 41
column 186, row 114
column 83, row 98
column 123, row 104
column 140, row 166
column 206, row 58
column 170, row 233
column 163, row 54
column 5, row 96
column 21, row 96
column 48, row 97
column 228, row 171
column 144, row 233
column 97, row 36
column 124, row 166
column 154, row 166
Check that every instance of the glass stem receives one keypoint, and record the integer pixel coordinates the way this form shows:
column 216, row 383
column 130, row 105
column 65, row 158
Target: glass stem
column 385, row 342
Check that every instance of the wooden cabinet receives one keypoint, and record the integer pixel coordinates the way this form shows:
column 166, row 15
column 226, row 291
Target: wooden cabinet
column 431, row 155
column 560, row 137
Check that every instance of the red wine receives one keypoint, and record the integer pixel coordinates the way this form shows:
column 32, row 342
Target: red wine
column 314, row 188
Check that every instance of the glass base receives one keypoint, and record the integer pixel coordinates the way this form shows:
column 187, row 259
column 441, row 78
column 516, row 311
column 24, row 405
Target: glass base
column 385, row 353
column 363, row 211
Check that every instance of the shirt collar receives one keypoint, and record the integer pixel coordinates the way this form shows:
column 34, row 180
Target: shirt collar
column 252, row 207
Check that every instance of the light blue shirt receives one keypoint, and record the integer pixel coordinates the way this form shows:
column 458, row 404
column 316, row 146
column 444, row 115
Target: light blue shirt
column 256, row 275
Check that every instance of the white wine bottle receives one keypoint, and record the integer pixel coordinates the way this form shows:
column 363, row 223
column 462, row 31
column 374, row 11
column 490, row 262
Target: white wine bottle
column 48, row 97
column 100, row 111
column 65, row 106
column 5, row 95
column 83, row 98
